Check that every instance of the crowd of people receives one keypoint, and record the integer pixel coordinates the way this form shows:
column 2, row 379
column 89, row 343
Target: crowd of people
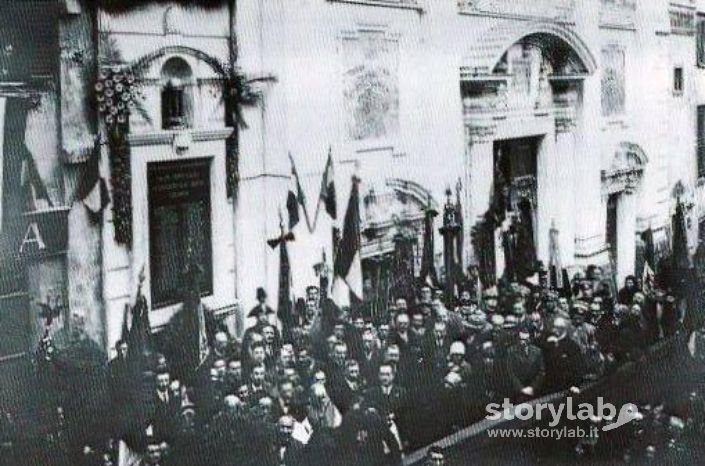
column 329, row 385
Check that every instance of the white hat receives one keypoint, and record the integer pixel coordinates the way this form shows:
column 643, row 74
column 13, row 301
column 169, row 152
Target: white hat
column 457, row 347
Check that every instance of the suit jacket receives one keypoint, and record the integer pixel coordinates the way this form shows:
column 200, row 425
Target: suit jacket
column 395, row 402
column 369, row 364
column 294, row 454
column 343, row 395
column 525, row 367
column 165, row 416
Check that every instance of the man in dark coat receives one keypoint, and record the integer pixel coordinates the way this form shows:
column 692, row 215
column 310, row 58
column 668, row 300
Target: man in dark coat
column 563, row 358
column 288, row 450
column 387, row 396
column 525, row 367
column 348, row 389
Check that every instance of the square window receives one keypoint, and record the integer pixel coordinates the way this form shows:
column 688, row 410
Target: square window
column 678, row 80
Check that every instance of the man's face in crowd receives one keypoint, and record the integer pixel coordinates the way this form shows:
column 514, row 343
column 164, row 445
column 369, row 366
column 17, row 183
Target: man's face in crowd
column 491, row 304
column 353, row 371
column 629, row 284
column 465, row 295
column 386, row 376
column 175, row 389
column 122, row 350
column 304, row 359
column 560, row 328
column 339, row 331
column 332, row 341
column 488, row 352
column 563, row 303
column 235, row 370
column 518, row 309
column 286, row 391
column 312, row 295
column 286, row 428
column 188, row 420
column 402, row 323
column 368, row 341
column 263, row 318
column 393, row 354
column 258, row 354
column 417, row 321
column 359, row 323
column 435, row 459
column 524, row 339
column 426, row 295
column 243, row 392
column 221, row 342
column 219, row 366
column 311, row 309
column 163, row 381
column 401, row 305
column 384, row 331
column 268, row 334
column 587, row 290
column 286, row 358
column 439, row 330
column 320, row 378
column 154, row 453
column 340, row 354
column 257, row 375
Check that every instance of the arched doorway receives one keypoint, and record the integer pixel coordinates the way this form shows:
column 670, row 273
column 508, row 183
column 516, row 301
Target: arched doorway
column 620, row 182
column 522, row 90
column 392, row 239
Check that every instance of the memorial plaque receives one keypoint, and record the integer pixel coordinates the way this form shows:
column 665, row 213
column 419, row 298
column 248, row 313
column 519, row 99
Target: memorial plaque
column 179, row 219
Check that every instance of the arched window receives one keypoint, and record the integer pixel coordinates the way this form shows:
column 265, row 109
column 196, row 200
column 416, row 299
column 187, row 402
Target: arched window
column 177, row 96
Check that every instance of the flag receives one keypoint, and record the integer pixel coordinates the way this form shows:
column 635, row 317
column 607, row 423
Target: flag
column 647, row 279
column 295, row 198
column 681, row 258
column 428, row 269
column 649, row 249
column 284, row 305
column 554, row 260
column 348, row 266
column 327, row 195
column 92, row 189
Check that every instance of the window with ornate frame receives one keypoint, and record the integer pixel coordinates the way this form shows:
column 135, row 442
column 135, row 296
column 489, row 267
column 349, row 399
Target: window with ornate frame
column 700, row 138
column 613, row 82
column 176, row 94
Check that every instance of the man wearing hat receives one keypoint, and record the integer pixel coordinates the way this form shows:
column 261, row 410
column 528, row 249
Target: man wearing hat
column 456, row 361
column 562, row 356
column 263, row 315
column 262, row 307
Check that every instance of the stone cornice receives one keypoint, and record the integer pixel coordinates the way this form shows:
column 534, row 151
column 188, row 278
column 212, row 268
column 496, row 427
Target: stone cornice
column 167, row 137
column 416, row 5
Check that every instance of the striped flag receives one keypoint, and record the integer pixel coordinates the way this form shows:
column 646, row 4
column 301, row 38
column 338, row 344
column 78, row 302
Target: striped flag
column 327, row 195
column 295, row 199
column 348, row 265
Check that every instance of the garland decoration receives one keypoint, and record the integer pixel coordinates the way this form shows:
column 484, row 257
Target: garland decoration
column 116, row 94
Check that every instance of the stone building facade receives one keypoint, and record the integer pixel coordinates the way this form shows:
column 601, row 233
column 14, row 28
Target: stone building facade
column 586, row 108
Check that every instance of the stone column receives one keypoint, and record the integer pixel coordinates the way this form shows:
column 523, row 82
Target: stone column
column 565, row 185
column 626, row 235
column 588, row 210
column 546, row 175
column 479, row 179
